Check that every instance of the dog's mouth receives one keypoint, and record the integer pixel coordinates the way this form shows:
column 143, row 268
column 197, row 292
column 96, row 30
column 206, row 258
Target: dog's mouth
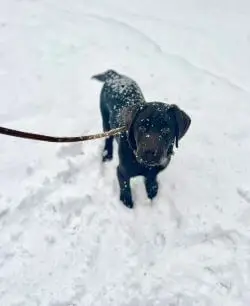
column 154, row 159
column 151, row 163
column 148, row 164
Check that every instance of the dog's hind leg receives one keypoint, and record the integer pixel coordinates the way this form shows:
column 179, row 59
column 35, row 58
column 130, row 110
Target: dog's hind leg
column 108, row 147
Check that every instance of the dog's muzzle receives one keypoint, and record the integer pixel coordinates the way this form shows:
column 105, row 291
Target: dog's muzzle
column 153, row 158
column 150, row 158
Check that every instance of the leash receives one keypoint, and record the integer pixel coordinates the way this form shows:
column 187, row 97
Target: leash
column 46, row 138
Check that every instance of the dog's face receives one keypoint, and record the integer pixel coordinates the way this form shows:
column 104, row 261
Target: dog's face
column 153, row 129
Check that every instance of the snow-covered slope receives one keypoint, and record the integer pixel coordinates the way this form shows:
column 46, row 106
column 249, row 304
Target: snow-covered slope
column 65, row 239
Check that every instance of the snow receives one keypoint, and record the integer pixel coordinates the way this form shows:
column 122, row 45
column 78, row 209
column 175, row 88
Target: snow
column 65, row 239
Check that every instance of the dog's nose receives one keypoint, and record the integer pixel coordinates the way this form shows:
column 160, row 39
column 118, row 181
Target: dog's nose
column 149, row 155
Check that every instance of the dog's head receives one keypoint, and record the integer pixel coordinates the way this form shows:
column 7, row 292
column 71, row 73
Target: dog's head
column 153, row 128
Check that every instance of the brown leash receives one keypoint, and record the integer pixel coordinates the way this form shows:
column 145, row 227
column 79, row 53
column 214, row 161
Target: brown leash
column 39, row 137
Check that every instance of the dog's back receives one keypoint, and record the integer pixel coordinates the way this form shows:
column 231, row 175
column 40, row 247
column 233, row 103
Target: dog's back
column 118, row 91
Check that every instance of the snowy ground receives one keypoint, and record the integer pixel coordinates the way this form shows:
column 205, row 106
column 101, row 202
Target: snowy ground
column 65, row 239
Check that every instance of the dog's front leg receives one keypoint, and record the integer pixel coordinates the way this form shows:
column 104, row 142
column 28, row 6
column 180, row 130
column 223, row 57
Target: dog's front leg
column 151, row 185
column 125, row 190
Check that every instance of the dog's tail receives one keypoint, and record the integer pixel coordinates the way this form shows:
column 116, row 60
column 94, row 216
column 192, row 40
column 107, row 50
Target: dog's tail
column 105, row 76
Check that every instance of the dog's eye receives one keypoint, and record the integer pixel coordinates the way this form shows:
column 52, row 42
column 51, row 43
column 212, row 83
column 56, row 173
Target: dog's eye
column 165, row 131
column 142, row 129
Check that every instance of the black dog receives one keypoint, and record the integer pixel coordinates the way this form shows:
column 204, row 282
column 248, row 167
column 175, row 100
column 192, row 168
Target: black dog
column 152, row 130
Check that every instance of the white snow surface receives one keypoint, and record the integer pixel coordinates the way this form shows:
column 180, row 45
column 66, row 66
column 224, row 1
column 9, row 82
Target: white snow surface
column 65, row 238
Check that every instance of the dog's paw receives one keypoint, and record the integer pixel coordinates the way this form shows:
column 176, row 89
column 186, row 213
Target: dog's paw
column 152, row 189
column 106, row 156
column 127, row 201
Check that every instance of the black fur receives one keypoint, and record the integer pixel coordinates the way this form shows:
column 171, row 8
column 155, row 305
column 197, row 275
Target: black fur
column 152, row 130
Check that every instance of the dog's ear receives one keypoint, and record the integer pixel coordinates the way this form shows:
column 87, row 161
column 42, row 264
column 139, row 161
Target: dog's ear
column 182, row 122
column 127, row 117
